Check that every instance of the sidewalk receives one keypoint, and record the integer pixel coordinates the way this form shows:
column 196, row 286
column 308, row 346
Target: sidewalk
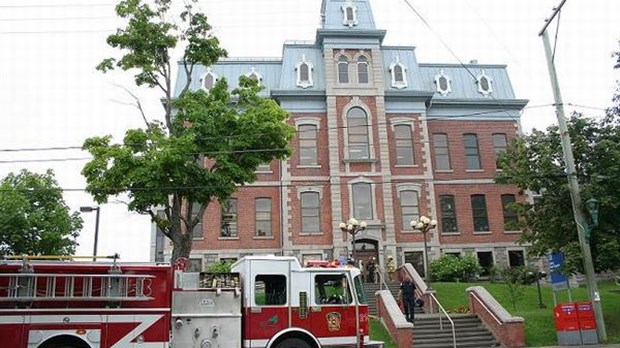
column 587, row 346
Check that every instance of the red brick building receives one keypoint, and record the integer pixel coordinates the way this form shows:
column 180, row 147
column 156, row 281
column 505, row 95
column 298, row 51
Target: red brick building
column 381, row 138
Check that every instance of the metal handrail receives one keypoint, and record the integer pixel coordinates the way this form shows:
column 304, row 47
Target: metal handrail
column 382, row 277
column 432, row 296
column 486, row 308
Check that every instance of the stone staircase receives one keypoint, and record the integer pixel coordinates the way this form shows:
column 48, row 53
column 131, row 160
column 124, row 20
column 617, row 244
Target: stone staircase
column 470, row 332
column 371, row 288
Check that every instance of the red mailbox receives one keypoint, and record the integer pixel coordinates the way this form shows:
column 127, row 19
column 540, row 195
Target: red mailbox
column 567, row 323
column 587, row 322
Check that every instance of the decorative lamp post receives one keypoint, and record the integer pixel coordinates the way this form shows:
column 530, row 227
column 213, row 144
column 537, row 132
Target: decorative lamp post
column 424, row 225
column 90, row 210
column 352, row 227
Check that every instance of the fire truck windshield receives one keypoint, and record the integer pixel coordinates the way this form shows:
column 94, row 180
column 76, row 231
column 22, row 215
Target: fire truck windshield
column 359, row 289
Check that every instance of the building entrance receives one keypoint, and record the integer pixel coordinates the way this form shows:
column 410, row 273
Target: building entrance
column 365, row 249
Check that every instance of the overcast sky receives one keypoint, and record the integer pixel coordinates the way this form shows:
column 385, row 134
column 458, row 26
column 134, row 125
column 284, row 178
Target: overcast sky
column 51, row 96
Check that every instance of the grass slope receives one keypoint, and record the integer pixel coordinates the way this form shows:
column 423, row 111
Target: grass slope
column 539, row 323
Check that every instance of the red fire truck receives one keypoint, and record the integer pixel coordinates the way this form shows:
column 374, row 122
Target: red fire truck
column 267, row 301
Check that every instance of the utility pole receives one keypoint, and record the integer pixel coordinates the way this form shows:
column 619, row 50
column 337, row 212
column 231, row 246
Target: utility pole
column 573, row 185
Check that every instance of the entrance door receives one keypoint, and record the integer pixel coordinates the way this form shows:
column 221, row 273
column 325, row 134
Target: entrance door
column 365, row 249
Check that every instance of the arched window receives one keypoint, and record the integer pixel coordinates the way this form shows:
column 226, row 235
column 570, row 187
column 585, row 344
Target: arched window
column 485, row 84
column 349, row 14
column 343, row 69
column 404, row 144
column 362, row 69
column 304, row 73
column 208, row 80
column 398, row 74
column 308, row 144
column 442, row 81
column 357, row 127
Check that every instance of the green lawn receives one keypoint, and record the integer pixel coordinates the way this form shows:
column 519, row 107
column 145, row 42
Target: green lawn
column 378, row 332
column 539, row 324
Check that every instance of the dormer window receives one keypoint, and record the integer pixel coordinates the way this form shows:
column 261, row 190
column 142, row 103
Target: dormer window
column 443, row 83
column 304, row 73
column 485, row 84
column 398, row 72
column 362, row 69
column 349, row 12
column 253, row 74
column 343, row 69
column 208, row 80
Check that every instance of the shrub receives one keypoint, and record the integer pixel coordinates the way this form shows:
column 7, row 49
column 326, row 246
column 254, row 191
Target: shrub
column 449, row 268
column 220, row 267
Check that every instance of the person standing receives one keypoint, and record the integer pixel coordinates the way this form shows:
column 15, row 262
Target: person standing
column 371, row 268
column 407, row 296
column 390, row 267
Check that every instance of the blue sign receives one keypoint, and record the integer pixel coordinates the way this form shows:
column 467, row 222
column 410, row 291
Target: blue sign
column 558, row 280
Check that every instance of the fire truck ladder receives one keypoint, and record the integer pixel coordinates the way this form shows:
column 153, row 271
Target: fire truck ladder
column 27, row 286
column 112, row 287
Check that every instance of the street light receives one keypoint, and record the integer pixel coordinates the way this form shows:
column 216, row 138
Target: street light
column 424, row 225
column 90, row 210
column 352, row 227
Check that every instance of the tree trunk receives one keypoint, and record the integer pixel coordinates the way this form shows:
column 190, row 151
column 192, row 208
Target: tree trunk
column 182, row 246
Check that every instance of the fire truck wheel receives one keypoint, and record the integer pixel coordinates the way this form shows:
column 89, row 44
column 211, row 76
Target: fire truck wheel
column 293, row 343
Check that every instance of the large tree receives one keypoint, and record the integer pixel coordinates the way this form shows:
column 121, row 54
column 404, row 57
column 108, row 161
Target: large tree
column 34, row 219
column 209, row 144
column 535, row 162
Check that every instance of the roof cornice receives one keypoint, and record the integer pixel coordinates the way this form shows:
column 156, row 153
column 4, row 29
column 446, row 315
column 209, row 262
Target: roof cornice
column 516, row 104
column 321, row 34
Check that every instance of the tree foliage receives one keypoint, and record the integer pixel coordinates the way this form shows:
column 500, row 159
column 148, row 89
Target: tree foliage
column 535, row 162
column 210, row 143
column 34, row 219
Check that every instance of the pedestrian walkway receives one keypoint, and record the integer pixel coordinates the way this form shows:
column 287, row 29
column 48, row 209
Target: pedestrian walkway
column 587, row 346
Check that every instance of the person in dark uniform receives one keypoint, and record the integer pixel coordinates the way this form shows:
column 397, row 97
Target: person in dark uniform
column 407, row 296
column 371, row 267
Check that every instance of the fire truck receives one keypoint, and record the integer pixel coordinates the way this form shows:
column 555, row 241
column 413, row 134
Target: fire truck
column 266, row 301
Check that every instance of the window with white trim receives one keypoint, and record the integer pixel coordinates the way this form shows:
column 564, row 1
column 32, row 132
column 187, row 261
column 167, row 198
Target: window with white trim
column 448, row 213
column 308, row 144
column 263, row 217
column 409, row 208
column 362, row 69
column 479, row 213
column 443, row 83
column 253, row 74
column 357, row 128
column 362, row 201
column 208, row 80
column 485, row 84
column 310, row 212
column 404, row 144
column 398, row 74
column 499, row 145
column 304, row 73
column 349, row 14
column 343, row 69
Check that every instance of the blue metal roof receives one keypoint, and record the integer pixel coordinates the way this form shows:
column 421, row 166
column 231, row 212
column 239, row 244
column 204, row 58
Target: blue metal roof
column 332, row 15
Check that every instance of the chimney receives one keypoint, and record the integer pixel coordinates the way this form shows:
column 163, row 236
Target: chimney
column 473, row 61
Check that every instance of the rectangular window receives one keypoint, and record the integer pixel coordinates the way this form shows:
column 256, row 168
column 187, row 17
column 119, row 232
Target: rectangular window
column 448, row 213
column 197, row 231
column 472, row 155
column 416, row 259
column 331, row 289
column 195, row 265
column 499, row 144
column 229, row 218
column 479, row 213
column 404, row 144
column 511, row 221
column 516, row 258
column 409, row 208
column 485, row 259
column 362, row 201
column 442, row 152
column 262, row 168
column 310, row 212
column 343, row 70
column 270, row 290
column 263, row 217
column 308, row 144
